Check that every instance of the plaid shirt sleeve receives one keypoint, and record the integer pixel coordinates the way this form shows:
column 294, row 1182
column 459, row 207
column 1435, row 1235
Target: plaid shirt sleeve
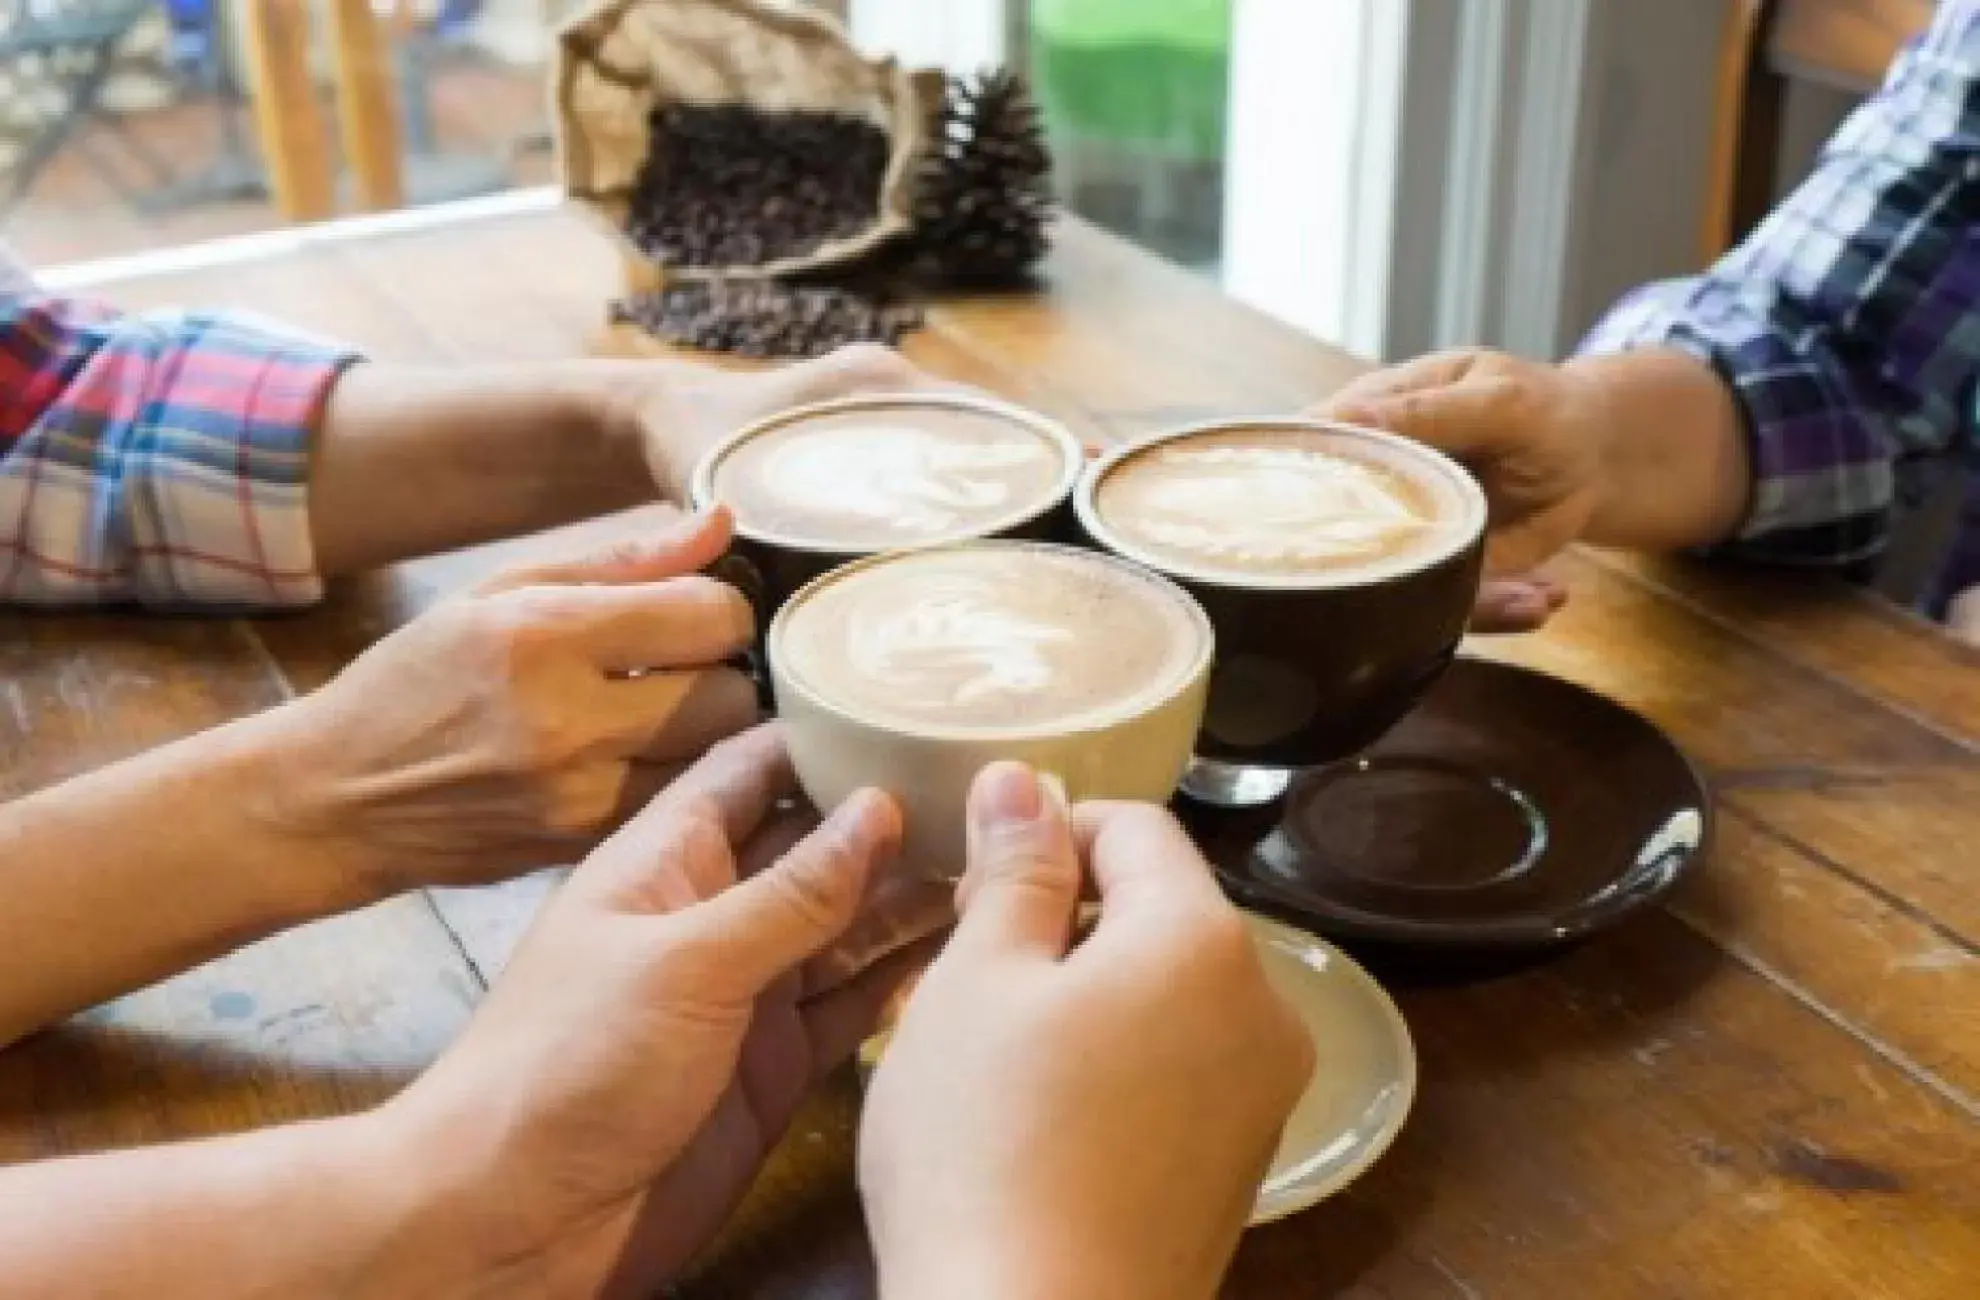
column 1848, row 325
column 157, row 459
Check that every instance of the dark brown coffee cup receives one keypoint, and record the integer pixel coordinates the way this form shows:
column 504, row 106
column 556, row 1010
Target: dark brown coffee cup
column 1310, row 669
column 769, row 565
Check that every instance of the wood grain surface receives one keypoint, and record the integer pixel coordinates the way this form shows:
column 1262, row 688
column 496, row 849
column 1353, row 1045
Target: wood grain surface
column 1847, row 43
column 1769, row 1088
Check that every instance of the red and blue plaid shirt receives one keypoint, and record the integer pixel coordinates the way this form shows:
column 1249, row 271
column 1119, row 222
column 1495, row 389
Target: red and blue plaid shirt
column 1848, row 325
column 158, row 459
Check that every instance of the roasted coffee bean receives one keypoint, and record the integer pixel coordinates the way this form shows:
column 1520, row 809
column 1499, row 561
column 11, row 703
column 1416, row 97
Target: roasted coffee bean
column 730, row 186
column 762, row 318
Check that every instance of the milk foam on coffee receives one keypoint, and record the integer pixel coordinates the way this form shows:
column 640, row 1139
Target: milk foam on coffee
column 889, row 476
column 1283, row 501
column 992, row 638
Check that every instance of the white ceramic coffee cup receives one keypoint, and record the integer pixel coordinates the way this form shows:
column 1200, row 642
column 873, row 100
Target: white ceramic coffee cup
column 1139, row 753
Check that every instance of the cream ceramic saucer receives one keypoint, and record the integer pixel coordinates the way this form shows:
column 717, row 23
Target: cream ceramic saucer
column 1363, row 1081
column 1364, row 1076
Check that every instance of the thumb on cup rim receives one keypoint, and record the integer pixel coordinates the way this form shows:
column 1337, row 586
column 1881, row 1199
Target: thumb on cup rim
column 1022, row 885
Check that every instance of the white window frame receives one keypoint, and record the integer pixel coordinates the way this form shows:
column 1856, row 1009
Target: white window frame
column 1494, row 165
column 1403, row 175
column 959, row 35
column 1311, row 165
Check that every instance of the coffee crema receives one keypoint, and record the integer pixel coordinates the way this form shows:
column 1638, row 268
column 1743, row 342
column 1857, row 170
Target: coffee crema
column 1285, row 502
column 889, row 474
column 994, row 637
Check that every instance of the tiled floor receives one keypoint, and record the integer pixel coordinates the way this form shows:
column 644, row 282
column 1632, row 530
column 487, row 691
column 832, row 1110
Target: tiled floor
column 72, row 214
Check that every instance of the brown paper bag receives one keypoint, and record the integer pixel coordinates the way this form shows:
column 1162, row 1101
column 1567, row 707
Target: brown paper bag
column 619, row 59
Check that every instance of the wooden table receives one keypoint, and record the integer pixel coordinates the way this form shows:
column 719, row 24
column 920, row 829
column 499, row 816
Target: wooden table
column 1770, row 1089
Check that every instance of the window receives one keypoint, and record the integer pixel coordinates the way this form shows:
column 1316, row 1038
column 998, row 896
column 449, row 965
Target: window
column 1251, row 140
column 1388, row 174
column 129, row 125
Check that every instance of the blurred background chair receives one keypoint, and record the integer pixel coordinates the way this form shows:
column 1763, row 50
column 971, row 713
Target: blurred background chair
column 218, row 107
column 422, row 34
column 382, row 64
column 1768, row 46
column 201, row 55
column 56, row 58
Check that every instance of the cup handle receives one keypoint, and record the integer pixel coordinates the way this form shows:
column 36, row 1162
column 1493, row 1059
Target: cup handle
column 753, row 663
column 736, row 570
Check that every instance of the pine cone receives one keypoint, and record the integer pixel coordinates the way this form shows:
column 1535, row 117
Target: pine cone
column 985, row 192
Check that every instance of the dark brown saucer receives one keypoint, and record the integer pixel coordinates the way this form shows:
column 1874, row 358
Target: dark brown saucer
column 1511, row 812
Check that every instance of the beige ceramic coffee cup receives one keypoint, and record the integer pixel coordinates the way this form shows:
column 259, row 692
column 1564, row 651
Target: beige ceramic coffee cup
column 1137, row 753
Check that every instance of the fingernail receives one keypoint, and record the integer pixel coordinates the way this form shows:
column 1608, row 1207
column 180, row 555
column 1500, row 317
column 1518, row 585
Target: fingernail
column 1007, row 795
column 1529, row 604
column 869, row 815
column 849, row 820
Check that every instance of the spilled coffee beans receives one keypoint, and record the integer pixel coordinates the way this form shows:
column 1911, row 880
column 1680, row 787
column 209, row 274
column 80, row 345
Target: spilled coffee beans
column 762, row 318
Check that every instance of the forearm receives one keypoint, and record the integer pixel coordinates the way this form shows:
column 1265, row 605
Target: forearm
column 145, row 868
column 331, row 1209
column 1837, row 324
column 414, row 461
column 1063, row 1270
column 957, row 1278
column 1674, row 468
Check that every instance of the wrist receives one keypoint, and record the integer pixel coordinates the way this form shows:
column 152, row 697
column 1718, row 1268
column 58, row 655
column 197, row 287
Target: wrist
column 970, row 1277
column 1598, row 419
column 1005, row 1265
column 266, row 764
column 622, row 397
column 472, row 1212
column 418, row 1211
column 1672, row 467
column 670, row 414
column 602, row 421
column 299, row 804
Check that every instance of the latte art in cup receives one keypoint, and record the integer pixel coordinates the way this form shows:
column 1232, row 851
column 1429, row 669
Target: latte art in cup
column 992, row 638
column 910, row 481
column 1279, row 502
column 910, row 671
column 1270, row 505
column 887, row 475
column 1338, row 565
column 958, row 647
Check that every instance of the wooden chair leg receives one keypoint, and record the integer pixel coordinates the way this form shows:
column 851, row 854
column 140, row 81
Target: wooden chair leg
column 367, row 104
column 294, row 145
column 1746, row 134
